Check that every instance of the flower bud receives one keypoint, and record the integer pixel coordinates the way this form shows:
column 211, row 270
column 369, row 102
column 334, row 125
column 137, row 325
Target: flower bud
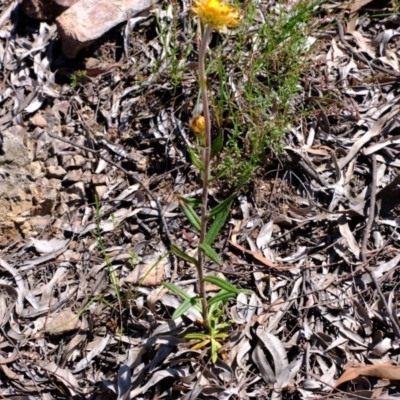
column 198, row 126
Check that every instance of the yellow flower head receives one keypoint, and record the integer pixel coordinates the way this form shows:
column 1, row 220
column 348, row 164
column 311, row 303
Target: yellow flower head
column 198, row 126
column 216, row 13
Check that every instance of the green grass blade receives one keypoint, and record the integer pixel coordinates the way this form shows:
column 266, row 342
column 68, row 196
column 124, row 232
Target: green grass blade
column 180, row 253
column 210, row 253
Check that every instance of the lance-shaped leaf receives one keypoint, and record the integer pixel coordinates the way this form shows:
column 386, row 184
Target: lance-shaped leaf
column 223, row 284
column 214, row 350
column 217, row 145
column 218, row 223
column 223, row 206
column 195, row 335
column 195, row 160
column 218, row 176
column 191, row 302
column 210, row 253
column 191, row 201
column 222, row 296
column 190, row 214
column 181, row 293
column 180, row 253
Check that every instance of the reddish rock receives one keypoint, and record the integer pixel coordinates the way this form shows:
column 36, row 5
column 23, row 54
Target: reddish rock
column 88, row 20
column 45, row 10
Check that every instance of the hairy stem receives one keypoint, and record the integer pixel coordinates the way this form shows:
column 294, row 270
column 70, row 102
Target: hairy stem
column 206, row 172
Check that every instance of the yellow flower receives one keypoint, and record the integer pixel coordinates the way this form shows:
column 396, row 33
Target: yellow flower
column 198, row 126
column 216, row 13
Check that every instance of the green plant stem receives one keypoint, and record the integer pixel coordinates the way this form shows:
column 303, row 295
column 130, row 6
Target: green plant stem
column 206, row 171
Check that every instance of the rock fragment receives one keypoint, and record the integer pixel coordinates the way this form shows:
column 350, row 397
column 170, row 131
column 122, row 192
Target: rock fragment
column 87, row 20
column 56, row 172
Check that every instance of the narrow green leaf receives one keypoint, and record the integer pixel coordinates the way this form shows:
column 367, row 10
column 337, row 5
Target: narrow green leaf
column 222, row 283
column 220, row 297
column 217, row 225
column 182, row 309
column 218, row 176
column 210, row 253
column 217, row 145
column 182, row 254
column 192, row 201
column 226, row 204
column 190, row 214
column 214, row 350
column 177, row 290
column 221, row 335
column 197, row 336
column 195, row 160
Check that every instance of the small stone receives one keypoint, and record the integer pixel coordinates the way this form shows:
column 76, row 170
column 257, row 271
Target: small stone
column 36, row 169
column 65, row 160
column 87, row 20
column 100, row 191
column 15, row 152
column 73, row 176
column 39, row 223
column 99, row 179
column 56, row 172
column 51, row 162
column 86, row 177
column 77, row 161
column 38, row 120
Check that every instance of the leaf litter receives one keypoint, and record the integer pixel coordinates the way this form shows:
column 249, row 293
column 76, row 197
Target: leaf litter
column 324, row 313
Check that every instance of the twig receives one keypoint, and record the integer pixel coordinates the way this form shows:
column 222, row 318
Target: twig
column 367, row 232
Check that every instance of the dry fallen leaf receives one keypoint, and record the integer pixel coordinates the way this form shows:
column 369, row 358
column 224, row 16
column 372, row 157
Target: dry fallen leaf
column 382, row 371
column 260, row 258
